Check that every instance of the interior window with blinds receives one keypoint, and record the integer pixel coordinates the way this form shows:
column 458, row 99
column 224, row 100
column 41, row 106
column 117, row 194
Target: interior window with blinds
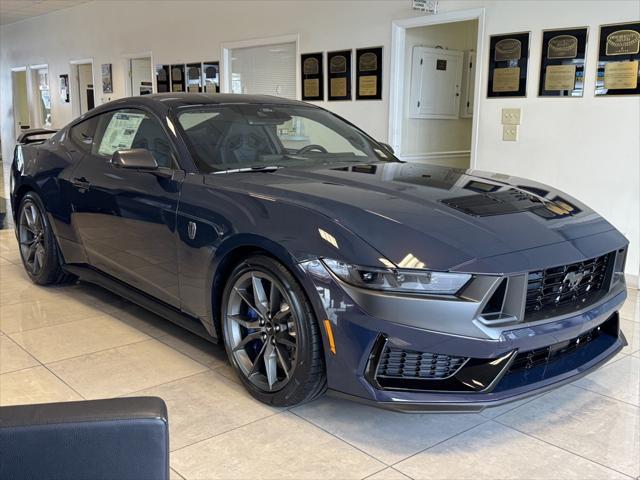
column 264, row 70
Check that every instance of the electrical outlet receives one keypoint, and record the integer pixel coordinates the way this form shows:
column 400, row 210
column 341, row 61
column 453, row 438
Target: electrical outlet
column 510, row 133
column 511, row 116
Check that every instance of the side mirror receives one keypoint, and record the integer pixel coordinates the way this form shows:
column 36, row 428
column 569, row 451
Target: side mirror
column 135, row 158
column 387, row 147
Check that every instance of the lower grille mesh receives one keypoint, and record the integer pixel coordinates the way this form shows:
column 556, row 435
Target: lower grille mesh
column 407, row 364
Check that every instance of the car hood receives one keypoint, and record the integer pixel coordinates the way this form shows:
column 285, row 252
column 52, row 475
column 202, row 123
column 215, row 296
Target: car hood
column 424, row 216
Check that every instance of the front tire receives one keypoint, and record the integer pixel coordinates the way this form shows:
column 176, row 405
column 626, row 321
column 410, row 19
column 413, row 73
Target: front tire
column 38, row 247
column 271, row 335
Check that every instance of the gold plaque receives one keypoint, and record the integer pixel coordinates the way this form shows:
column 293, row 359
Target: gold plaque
column 192, row 88
column 560, row 77
column 368, row 62
column 563, row 46
column 312, row 87
column 508, row 49
column 621, row 75
column 623, row 42
column 368, row 85
column 506, row 79
column 338, row 64
column 338, row 87
column 311, row 66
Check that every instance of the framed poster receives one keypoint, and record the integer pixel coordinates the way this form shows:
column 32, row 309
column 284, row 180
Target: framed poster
column 64, row 88
column 194, row 77
column 107, row 80
column 211, row 77
column 562, row 64
column 369, row 73
column 178, row 83
column 618, row 59
column 339, row 75
column 163, row 78
column 508, row 60
column 312, row 76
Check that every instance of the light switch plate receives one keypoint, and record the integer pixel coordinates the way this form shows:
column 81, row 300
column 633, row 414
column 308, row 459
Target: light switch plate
column 510, row 133
column 511, row 116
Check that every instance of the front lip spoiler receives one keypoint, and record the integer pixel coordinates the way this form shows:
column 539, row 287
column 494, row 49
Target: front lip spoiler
column 475, row 407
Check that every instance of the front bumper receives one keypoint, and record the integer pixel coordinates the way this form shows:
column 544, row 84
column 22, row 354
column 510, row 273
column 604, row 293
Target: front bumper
column 358, row 336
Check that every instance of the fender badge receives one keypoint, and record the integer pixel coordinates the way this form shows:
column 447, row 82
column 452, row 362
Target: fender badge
column 191, row 230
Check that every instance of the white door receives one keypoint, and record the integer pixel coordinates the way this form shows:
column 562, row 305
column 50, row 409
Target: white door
column 436, row 78
column 21, row 113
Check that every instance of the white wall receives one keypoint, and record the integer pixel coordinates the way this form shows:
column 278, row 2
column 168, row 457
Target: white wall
column 589, row 147
column 431, row 135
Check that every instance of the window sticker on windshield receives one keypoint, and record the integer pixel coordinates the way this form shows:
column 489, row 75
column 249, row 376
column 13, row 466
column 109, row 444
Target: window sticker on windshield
column 120, row 132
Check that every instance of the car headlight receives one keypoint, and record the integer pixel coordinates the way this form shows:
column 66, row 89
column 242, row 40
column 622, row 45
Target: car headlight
column 397, row 280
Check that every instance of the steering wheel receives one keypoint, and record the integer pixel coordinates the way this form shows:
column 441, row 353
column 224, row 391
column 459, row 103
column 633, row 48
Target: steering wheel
column 312, row 147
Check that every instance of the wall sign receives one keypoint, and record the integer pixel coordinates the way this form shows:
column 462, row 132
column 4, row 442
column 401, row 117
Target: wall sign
column 107, row 80
column 618, row 59
column 312, row 76
column 369, row 73
column 562, row 64
column 339, row 66
column 508, row 59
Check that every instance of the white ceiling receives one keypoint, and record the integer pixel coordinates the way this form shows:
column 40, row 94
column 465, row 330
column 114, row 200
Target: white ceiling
column 15, row 10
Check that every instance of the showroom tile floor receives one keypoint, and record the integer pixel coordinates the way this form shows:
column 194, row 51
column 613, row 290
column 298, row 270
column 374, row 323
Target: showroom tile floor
column 75, row 342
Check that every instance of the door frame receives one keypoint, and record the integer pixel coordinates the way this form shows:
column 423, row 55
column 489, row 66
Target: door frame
column 34, row 107
column 74, row 89
column 398, row 65
column 225, row 57
column 25, row 69
column 126, row 62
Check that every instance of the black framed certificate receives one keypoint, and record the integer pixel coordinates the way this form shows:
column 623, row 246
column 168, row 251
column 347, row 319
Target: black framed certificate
column 211, row 71
column 562, row 63
column 369, row 73
column 339, row 75
column 178, row 83
column 194, row 77
column 618, row 59
column 162, row 78
column 508, row 60
column 312, row 76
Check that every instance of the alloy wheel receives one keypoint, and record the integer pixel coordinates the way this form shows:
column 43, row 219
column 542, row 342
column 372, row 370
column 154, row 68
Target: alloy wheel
column 261, row 330
column 31, row 235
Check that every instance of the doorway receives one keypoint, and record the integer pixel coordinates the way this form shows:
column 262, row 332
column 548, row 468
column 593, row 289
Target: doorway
column 139, row 72
column 81, row 84
column 21, row 114
column 41, row 96
column 433, row 102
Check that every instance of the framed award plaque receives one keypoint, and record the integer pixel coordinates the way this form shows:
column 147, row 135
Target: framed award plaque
column 369, row 73
column 563, row 62
column 194, row 77
column 618, row 59
column 508, row 60
column 178, row 83
column 312, row 76
column 162, row 78
column 211, row 75
column 339, row 75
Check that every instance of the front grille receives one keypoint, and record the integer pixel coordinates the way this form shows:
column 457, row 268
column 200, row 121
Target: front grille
column 545, row 355
column 557, row 290
column 407, row 364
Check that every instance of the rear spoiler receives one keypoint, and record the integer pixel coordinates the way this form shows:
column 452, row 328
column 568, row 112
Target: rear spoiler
column 35, row 135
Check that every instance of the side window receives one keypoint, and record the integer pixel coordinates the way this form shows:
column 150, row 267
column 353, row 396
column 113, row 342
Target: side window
column 82, row 134
column 126, row 129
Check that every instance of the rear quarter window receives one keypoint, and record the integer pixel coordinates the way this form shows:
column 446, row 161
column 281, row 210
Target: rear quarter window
column 82, row 134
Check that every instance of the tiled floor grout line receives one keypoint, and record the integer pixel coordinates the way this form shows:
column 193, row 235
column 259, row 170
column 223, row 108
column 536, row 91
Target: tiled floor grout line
column 338, row 438
column 90, row 317
column 606, row 396
column 496, row 420
column 386, row 468
column 91, row 353
column 58, row 377
column 128, row 394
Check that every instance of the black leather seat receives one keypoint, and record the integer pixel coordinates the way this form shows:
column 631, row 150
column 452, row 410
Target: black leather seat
column 120, row 438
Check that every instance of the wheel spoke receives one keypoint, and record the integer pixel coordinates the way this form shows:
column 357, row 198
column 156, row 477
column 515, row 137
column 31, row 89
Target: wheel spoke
column 39, row 260
column 246, row 340
column 257, row 361
column 29, row 215
column 247, row 301
column 283, row 362
column 270, row 364
column 245, row 322
column 283, row 340
column 275, row 299
column 282, row 312
column 259, row 296
column 32, row 251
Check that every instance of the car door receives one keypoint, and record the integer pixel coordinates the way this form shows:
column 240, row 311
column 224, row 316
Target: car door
column 126, row 218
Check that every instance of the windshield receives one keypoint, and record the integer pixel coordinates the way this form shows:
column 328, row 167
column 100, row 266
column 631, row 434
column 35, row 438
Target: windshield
column 240, row 136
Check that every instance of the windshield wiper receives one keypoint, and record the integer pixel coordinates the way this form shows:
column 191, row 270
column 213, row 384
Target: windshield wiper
column 266, row 168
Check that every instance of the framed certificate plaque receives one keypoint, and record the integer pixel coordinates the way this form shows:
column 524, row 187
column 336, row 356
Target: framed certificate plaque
column 369, row 73
column 618, row 60
column 339, row 75
column 563, row 62
column 312, row 76
column 508, row 60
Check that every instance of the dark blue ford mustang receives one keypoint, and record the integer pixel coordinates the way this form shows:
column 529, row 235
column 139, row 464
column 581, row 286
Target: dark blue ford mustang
column 318, row 258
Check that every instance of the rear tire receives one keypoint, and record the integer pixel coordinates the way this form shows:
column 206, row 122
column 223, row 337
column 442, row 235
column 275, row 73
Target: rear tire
column 271, row 335
column 38, row 247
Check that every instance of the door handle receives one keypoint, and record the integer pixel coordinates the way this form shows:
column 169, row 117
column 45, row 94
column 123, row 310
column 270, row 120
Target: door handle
column 81, row 183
